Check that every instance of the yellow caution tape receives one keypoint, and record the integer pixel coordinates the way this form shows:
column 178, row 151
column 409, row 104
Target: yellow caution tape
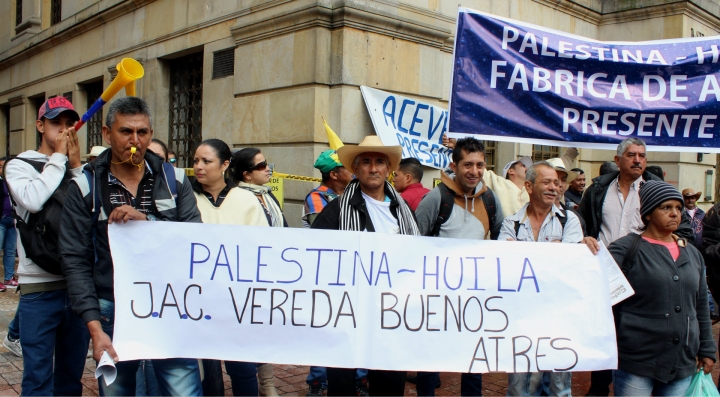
column 297, row 177
column 191, row 172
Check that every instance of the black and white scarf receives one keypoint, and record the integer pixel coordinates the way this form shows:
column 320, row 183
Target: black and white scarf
column 350, row 217
column 276, row 215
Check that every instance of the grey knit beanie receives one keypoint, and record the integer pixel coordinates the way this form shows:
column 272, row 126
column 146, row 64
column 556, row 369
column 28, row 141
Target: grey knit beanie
column 654, row 193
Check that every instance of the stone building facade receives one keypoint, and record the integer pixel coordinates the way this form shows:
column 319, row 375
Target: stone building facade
column 262, row 73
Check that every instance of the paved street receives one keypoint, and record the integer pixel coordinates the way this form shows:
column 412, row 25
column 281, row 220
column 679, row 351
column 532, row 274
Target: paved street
column 289, row 379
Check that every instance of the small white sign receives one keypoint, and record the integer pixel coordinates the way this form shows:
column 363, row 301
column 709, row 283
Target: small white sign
column 416, row 126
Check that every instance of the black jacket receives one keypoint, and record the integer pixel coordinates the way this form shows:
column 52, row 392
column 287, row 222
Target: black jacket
column 329, row 217
column 666, row 324
column 590, row 207
column 88, row 278
column 568, row 208
column 711, row 248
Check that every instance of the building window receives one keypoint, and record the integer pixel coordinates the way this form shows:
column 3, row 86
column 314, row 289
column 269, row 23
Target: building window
column 18, row 12
column 94, row 125
column 490, row 147
column 55, row 11
column 186, row 89
column 542, row 152
column 223, row 63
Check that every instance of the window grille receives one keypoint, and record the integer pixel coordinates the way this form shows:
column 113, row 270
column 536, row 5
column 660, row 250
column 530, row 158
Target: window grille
column 490, row 147
column 223, row 63
column 543, row 152
column 55, row 11
column 94, row 125
column 186, row 88
column 18, row 12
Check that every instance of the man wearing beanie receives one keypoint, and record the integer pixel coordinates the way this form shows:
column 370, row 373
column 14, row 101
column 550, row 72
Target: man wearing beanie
column 335, row 178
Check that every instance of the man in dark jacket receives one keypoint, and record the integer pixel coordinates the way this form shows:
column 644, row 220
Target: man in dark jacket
column 597, row 204
column 127, row 184
column 369, row 204
column 611, row 209
column 711, row 249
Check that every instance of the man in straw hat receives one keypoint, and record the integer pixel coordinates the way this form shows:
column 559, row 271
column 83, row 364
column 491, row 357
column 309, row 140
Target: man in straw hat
column 94, row 152
column 565, row 178
column 696, row 215
column 370, row 204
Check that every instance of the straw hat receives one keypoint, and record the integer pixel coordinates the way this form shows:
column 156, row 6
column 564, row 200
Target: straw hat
column 94, row 152
column 690, row 192
column 559, row 165
column 370, row 144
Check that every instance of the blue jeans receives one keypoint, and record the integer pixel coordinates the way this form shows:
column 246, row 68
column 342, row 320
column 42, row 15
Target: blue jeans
column 8, row 239
column 319, row 374
column 175, row 376
column 243, row 378
column 146, row 383
column 627, row 384
column 14, row 327
column 531, row 383
column 470, row 384
column 48, row 329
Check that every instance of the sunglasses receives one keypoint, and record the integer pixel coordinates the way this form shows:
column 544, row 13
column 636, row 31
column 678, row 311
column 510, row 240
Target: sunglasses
column 172, row 161
column 260, row 166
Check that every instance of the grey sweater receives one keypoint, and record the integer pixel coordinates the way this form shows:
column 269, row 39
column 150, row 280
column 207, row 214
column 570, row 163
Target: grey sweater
column 461, row 224
column 666, row 324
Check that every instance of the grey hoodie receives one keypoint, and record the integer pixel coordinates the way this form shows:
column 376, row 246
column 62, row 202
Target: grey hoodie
column 462, row 222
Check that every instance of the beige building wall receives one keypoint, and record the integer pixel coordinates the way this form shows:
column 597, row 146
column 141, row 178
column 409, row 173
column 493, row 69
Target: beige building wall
column 296, row 62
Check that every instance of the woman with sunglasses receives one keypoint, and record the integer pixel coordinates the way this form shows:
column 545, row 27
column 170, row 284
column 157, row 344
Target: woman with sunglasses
column 252, row 172
column 220, row 201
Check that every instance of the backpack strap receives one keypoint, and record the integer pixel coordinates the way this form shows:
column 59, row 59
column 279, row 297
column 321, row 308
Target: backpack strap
column 447, row 201
column 488, row 199
column 630, row 257
column 38, row 166
column 563, row 219
column 171, row 179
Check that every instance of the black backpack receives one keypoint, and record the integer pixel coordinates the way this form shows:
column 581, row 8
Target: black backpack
column 447, row 201
column 39, row 235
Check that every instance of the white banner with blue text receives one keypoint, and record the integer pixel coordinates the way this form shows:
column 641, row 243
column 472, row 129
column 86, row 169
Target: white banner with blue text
column 358, row 300
column 416, row 126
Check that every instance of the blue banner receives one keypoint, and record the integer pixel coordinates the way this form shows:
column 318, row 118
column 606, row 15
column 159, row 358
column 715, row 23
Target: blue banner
column 518, row 82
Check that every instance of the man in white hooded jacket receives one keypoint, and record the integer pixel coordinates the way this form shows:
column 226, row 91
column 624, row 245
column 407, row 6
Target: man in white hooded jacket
column 48, row 326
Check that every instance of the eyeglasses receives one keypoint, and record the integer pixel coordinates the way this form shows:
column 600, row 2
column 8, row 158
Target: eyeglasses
column 172, row 160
